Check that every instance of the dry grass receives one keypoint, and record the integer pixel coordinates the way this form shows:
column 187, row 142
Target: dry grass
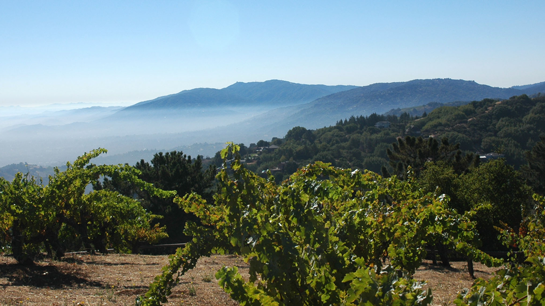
column 118, row 279
column 108, row 280
column 445, row 283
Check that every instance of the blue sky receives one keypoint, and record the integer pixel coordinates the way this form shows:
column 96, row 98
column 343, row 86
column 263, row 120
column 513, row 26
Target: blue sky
column 123, row 52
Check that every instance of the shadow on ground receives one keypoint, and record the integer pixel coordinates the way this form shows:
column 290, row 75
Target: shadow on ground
column 438, row 268
column 44, row 276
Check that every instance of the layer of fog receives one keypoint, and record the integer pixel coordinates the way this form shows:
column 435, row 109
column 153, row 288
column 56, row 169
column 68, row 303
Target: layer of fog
column 52, row 138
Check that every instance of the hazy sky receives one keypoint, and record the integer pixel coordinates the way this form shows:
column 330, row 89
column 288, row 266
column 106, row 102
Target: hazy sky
column 123, row 52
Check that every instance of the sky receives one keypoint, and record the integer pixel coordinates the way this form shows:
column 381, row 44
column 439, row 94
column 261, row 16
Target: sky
column 123, row 52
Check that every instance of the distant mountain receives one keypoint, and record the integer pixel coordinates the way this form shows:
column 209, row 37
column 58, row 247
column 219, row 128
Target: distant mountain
column 282, row 93
column 380, row 98
column 206, row 108
column 191, row 99
column 412, row 93
column 530, row 86
column 423, row 95
column 268, row 94
column 531, row 89
column 537, row 88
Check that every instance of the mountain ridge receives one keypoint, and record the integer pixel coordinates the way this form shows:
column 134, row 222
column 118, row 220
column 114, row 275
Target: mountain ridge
column 269, row 94
column 367, row 100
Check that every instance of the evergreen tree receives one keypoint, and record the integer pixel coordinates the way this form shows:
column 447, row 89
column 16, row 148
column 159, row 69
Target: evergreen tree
column 415, row 152
column 170, row 171
column 534, row 172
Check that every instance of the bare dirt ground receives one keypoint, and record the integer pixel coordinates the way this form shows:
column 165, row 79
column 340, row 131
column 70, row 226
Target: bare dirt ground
column 117, row 279
column 445, row 283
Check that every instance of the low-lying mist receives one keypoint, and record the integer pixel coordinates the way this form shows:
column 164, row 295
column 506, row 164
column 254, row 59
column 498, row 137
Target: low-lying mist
column 54, row 138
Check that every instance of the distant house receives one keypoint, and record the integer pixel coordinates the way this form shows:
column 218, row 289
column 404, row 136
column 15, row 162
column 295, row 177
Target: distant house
column 382, row 124
column 266, row 149
column 491, row 156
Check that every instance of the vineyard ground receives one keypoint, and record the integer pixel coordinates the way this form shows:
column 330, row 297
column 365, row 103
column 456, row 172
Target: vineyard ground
column 117, row 279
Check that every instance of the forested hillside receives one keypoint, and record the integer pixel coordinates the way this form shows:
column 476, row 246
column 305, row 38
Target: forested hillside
column 509, row 127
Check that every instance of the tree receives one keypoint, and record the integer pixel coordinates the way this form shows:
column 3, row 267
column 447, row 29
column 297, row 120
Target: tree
column 494, row 190
column 26, row 220
column 416, row 152
column 534, row 171
column 263, row 143
column 440, row 178
column 504, row 195
column 170, row 171
column 296, row 133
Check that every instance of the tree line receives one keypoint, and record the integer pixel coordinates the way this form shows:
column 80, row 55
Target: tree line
column 508, row 127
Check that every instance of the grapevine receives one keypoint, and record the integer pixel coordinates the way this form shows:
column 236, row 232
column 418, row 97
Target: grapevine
column 62, row 215
column 324, row 236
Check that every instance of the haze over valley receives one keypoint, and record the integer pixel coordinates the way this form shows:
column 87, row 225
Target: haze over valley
column 200, row 121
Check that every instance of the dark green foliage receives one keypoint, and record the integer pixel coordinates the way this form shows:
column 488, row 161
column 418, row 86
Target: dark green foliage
column 416, row 152
column 174, row 171
column 170, row 171
column 494, row 189
column 499, row 185
column 374, row 164
column 464, row 141
column 299, row 133
column 534, row 171
column 509, row 126
column 350, row 143
column 440, row 177
column 263, row 143
column 475, row 127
